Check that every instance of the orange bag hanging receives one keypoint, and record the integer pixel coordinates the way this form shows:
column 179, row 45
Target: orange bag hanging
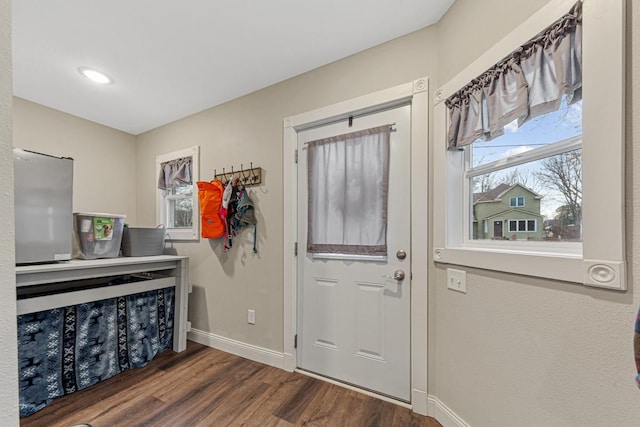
column 210, row 196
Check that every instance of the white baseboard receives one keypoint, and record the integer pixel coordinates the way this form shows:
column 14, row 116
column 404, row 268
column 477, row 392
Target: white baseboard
column 444, row 414
column 239, row 348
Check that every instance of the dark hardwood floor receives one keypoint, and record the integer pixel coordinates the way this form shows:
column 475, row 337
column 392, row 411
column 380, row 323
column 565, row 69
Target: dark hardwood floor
column 206, row 387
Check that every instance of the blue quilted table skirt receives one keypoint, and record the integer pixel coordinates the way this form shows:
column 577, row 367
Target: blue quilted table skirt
column 71, row 348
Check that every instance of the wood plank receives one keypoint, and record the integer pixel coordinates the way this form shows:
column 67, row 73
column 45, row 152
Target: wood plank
column 292, row 409
column 206, row 387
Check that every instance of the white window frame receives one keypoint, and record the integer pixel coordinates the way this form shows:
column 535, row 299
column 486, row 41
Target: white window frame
column 600, row 259
column 172, row 234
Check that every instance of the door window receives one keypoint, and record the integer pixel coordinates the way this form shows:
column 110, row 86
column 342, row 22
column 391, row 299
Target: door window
column 348, row 179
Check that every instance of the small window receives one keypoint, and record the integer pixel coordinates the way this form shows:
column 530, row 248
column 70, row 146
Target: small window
column 516, row 202
column 179, row 207
column 177, row 195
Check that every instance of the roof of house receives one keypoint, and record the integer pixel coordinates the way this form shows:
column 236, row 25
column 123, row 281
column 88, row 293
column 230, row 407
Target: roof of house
column 496, row 193
column 491, row 195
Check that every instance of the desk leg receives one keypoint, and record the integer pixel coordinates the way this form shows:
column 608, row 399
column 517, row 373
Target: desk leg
column 181, row 274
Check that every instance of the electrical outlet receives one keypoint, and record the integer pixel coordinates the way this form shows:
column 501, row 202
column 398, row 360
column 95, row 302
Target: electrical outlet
column 457, row 280
column 251, row 317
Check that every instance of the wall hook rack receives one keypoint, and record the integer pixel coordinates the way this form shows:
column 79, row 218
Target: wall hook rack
column 246, row 177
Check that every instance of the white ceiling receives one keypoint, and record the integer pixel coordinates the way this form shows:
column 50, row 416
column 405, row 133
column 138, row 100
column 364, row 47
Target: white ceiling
column 171, row 59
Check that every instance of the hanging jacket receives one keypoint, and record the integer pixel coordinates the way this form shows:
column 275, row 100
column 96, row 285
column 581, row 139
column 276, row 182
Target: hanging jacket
column 210, row 197
column 224, row 211
column 245, row 215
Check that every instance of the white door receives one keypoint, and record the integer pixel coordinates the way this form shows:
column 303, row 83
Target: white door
column 353, row 315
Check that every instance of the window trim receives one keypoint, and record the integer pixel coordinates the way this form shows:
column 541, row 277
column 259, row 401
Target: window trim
column 600, row 260
column 540, row 153
column 178, row 234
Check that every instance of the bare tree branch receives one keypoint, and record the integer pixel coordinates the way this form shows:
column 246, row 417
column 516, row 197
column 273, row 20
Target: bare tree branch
column 564, row 173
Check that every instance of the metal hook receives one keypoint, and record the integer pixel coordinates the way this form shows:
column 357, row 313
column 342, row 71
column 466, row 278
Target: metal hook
column 246, row 173
column 253, row 175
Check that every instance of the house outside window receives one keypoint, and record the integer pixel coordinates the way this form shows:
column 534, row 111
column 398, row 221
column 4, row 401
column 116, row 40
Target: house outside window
column 492, row 206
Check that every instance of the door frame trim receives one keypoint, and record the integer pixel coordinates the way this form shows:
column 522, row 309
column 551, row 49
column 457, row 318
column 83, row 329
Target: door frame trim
column 417, row 94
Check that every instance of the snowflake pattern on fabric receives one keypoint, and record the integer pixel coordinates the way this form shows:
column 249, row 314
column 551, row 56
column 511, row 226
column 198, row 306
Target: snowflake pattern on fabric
column 64, row 350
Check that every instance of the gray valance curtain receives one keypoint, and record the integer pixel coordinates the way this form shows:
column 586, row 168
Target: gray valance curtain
column 175, row 173
column 528, row 83
column 348, row 181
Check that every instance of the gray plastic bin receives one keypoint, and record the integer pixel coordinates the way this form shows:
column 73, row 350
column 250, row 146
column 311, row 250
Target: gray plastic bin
column 142, row 241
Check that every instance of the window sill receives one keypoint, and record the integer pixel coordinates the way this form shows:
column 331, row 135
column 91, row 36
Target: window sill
column 568, row 267
column 178, row 234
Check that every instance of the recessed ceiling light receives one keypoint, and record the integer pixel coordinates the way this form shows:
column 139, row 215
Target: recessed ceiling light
column 95, row 76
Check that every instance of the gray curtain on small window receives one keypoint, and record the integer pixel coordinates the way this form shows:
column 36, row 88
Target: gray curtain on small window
column 175, row 173
column 348, row 181
column 528, row 83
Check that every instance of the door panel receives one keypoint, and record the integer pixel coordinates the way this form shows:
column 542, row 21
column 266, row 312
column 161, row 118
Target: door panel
column 353, row 316
column 370, row 321
column 326, row 296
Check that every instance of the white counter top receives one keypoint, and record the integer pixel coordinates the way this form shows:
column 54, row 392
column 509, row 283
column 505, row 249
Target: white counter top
column 178, row 276
column 85, row 269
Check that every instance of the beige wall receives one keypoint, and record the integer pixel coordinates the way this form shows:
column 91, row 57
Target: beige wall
column 8, row 326
column 513, row 350
column 104, row 158
column 521, row 351
column 249, row 129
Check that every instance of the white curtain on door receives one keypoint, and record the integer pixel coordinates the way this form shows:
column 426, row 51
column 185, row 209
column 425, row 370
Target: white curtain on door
column 348, row 178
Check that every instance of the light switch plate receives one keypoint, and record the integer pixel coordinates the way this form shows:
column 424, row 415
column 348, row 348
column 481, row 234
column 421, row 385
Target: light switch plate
column 457, row 280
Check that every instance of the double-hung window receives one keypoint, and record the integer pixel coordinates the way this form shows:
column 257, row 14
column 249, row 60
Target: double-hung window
column 540, row 161
column 529, row 146
column 516, row 201
column 177, row 195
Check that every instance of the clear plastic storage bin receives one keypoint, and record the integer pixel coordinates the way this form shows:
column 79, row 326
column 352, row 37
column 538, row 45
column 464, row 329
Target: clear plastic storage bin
column 97, row 235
